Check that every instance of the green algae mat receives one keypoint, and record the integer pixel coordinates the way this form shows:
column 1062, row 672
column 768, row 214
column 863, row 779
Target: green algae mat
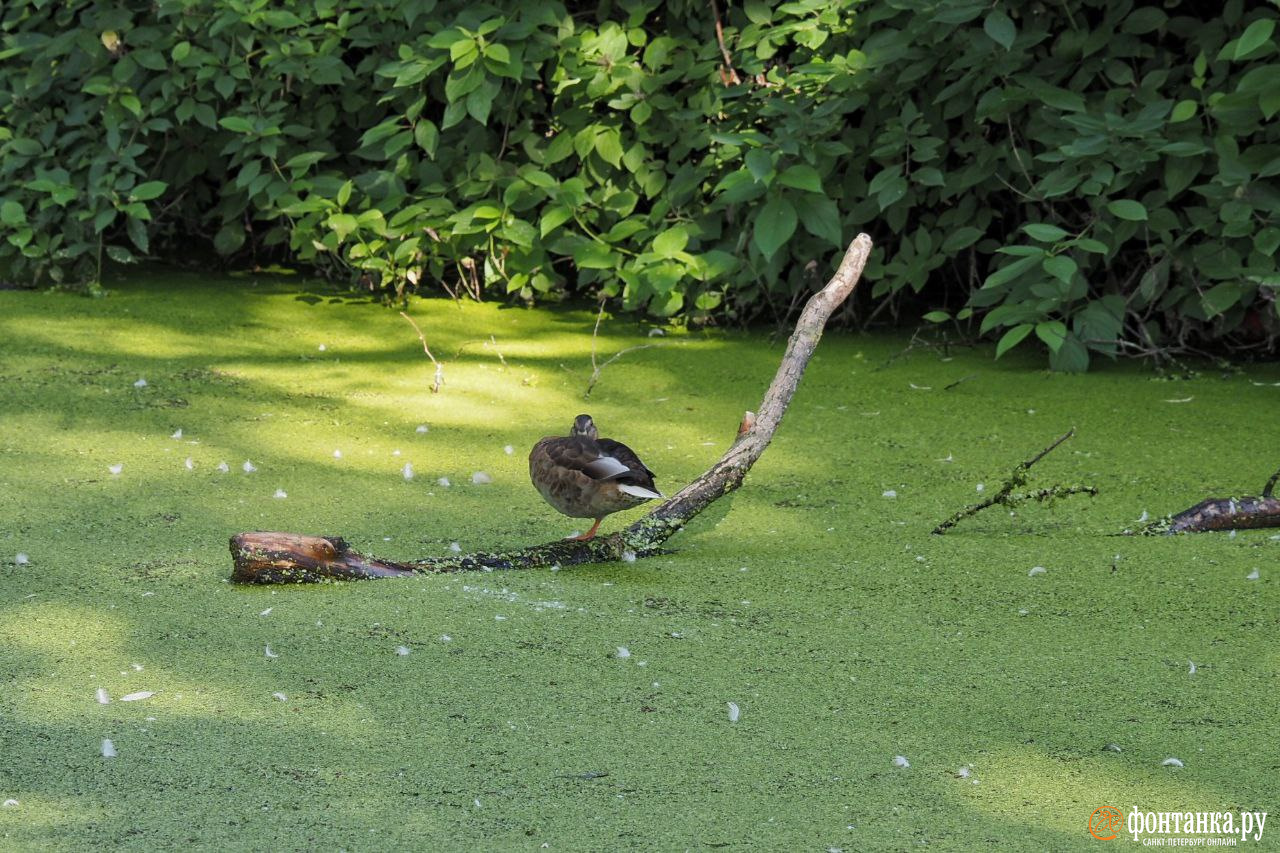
column 810, row 669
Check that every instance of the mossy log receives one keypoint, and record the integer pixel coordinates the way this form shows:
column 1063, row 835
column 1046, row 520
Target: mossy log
column 1244, row 513
column 265, row 557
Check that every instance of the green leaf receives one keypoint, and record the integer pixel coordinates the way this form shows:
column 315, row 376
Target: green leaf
column 148, row 191
column 1070, row 357
column 343, row 224
column 801, row 177
column 820, row 217
column 1128, row 209
column 1012, row 338
column 1044, row 233
column 1053, row 333
column 609, row 147
column 671, row 242
column 229, row 238
column 427, row 137
column 553, row 218
column 774, row 225
column 760, row 164
column 961, row 238
column 1001, row 28
column 12, row 213
column 1061, row 267
column 1008, row 273
column 1183, row 111
column 304, row 161
column 181, row 50
column 591, row 255
column 1255, row 36
column 236, row 124
column 1220, row 298
column 936, row 317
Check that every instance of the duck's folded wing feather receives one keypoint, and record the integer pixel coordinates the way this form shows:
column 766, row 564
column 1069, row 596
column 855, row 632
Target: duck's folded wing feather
column 640, row 475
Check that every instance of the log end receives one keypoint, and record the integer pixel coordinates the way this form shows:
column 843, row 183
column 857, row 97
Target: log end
column 268, row 557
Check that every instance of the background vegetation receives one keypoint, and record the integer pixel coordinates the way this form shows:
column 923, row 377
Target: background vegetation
column 1100, row 174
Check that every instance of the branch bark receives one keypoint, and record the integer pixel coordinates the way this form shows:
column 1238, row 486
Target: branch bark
column 1243, row 513
column 265, row 557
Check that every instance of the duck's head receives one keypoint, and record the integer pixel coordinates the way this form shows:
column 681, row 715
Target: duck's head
column 584, row 426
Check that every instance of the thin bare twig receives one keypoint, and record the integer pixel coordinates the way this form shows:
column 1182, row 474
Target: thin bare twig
column 727, row 74
column 439, row 377
column 1018, row 478
column 596, row 367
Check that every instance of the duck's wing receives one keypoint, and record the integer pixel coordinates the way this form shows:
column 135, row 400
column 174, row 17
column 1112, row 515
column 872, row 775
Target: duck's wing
column 582, row 455
column 636, row 474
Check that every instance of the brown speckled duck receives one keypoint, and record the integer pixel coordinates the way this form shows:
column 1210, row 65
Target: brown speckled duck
column 585, row 476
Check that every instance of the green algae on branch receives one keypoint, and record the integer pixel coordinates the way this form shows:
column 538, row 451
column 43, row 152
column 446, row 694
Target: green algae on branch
column 1018, row 478
column 265, row 557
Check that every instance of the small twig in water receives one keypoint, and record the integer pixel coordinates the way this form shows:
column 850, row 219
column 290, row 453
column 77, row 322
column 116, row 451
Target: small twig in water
column 1018, row 478
column 1271, row 484
column 596, row 367
column 958, row 381
column 439, row 377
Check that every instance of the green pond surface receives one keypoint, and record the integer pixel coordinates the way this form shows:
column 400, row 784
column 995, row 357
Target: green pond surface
column 589, row 708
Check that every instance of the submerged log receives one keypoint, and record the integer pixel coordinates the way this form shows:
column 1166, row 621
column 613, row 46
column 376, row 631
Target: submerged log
column 292, row 558
column 1244, row 513
column 1226, row 514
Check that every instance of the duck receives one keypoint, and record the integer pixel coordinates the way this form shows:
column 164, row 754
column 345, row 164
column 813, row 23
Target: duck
column 585, row 476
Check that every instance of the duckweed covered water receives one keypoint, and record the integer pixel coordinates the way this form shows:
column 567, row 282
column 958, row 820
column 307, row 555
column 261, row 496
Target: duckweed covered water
column 808, row 632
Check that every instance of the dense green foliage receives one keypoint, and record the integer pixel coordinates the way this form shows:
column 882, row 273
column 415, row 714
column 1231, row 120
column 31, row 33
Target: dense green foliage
column 1100, row 174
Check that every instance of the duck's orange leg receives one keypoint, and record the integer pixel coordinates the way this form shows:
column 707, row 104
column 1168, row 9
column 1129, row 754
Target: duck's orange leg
column 590, row 533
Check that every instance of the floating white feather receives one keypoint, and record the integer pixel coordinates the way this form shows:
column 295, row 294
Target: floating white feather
column 1172, row 762
column 623, row 652
column 734, row 712
column 102, row 696
column 267, row 651
column 21, row 560
column 11, row 803
column 108, row 748
column 177, row 433
column 480, row 478
column 135, row 697
column 224, row 467
column 280, row 494
column 628, row 556
column 141, row 383
column 444, row 481
column 1252, row 576
column 508, row 450
column 1036, row 570
column 421, row 428
column 190, row 463
column 403, row 650
column 279, row 696
column 249, row 467
column 889, row 493
column 901, row 761
column 407, row 470
column 116, row 468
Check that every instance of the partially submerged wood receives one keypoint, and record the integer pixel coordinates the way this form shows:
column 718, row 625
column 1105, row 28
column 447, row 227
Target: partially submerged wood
column 291, row 558
column 1006, row 496
column 1243, row 513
